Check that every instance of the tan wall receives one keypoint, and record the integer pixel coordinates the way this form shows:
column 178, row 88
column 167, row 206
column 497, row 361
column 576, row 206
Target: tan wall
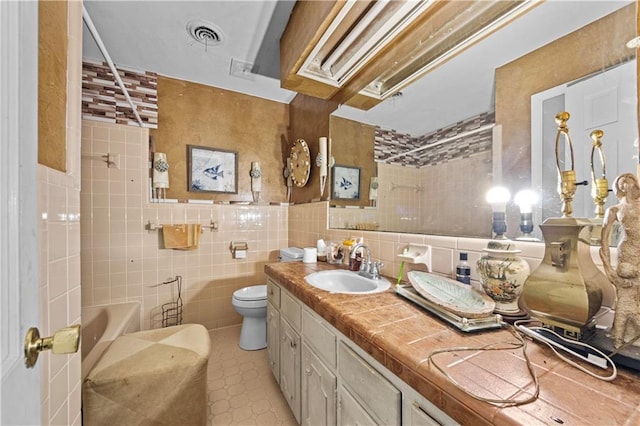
column 52, row 84
column 309, row 120
column 352, row 144
column 563, row 60
column 196, row 114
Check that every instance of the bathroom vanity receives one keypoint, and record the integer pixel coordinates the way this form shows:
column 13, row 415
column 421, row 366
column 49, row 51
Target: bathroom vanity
column 327, row 379
column 347, row 359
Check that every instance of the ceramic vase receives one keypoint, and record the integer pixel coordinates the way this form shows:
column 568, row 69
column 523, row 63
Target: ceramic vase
column 502, row 274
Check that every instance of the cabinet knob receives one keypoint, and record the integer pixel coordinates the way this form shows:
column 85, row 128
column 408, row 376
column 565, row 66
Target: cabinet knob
column 307, row 372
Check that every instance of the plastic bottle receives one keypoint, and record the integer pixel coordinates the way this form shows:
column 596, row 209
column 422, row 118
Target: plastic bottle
column 463, row 270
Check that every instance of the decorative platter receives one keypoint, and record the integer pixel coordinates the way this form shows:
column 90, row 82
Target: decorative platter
column 300, row 162
column 453, row 296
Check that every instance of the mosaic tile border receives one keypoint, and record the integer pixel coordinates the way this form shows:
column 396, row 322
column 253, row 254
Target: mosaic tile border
column 390, row 145
column 102, row 99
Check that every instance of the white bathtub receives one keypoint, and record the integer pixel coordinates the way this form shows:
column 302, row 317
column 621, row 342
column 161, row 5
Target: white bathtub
column 101, row 325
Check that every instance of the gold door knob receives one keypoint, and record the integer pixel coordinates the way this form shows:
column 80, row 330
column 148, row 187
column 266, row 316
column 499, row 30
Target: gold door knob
column 64, row 341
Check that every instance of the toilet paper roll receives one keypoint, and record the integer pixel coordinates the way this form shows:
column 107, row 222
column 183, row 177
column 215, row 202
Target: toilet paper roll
column 309, row 255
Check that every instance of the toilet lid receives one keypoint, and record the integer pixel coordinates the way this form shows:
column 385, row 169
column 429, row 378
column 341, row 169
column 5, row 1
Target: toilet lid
column 256, row 292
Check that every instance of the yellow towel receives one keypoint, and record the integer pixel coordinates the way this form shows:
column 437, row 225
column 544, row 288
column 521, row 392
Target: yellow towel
column 181, row 237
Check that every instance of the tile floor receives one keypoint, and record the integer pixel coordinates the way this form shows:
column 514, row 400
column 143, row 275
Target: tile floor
column 242, row 390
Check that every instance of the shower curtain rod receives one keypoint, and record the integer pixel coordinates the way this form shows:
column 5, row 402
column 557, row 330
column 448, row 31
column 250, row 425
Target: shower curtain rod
column 103, row 49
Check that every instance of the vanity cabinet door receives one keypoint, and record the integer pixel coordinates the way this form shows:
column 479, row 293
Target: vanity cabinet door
column 381, row 399
column 318, row 390
column 273, row 340
column 290, row 366
column 350, row 412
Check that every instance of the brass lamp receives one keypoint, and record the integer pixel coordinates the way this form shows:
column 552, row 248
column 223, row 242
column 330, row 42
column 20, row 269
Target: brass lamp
column 567, row 178
column 600, row 186
column 567, row 289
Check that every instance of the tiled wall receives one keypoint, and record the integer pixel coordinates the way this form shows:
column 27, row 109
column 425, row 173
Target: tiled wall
column 399, row 195
column 103, row 100
column 430, row 200
column 429, row 191
column 122, row 261
column 460, row 140
column 59, row 240
column 385, row 246
column 452, row 205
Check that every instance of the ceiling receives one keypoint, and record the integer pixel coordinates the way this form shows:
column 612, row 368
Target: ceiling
column 153, row 36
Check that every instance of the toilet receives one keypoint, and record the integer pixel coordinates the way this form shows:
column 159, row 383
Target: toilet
column 251, row 303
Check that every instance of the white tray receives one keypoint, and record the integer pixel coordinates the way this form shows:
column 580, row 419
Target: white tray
column 461, row 323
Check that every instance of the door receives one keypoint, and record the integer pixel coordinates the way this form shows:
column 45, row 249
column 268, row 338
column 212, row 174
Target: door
column 18, row 207
column 605, row 102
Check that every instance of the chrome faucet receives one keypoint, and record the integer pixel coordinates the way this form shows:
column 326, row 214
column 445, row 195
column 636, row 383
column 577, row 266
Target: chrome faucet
column 367, row 268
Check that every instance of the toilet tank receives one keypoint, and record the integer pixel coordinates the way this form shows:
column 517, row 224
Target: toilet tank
column 291, row 254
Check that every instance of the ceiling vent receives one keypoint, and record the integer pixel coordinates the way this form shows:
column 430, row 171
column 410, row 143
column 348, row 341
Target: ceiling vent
column 205, row 33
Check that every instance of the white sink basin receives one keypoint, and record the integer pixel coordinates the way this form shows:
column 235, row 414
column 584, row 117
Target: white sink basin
column 341, row 281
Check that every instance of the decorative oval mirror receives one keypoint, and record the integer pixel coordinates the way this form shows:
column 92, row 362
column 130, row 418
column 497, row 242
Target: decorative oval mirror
column 300, row 162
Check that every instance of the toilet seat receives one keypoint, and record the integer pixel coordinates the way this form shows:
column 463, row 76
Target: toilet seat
column 256, row 292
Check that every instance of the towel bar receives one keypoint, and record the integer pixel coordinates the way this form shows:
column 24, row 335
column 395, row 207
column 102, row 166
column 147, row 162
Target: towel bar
column 152, row 226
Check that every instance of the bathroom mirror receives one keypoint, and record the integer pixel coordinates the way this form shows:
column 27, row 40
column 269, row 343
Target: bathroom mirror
column 424, row 200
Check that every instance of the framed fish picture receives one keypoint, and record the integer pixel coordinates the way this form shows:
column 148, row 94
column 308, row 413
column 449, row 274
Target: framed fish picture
column 212, row 170
column 346, row 183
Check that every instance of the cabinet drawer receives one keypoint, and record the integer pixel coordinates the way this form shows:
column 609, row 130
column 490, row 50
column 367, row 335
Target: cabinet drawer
column 418, row 416
column 290, row 309
column 318, row 334
column 376, row 394
column 273, row 293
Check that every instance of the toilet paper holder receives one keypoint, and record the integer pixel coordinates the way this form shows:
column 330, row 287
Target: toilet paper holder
column 239, row 249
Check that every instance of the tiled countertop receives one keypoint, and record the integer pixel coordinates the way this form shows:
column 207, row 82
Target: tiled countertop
column 401, row 335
